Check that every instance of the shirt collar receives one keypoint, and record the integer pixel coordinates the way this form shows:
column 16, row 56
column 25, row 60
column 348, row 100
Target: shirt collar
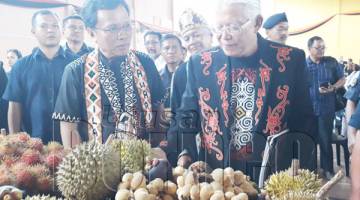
column 37, row 53
column 84, row 48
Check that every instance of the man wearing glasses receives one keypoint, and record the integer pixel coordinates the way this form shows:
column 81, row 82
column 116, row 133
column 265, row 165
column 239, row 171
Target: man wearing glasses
column 74, row 34
column 112, row 90
column 247, row 85
column 326, row 76
column 35, row 80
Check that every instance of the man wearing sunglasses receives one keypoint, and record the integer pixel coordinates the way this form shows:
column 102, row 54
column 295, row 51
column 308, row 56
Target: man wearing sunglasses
column 111, row 90
column 239, row 93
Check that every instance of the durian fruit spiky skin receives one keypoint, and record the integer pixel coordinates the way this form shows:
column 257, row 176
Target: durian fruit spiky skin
column 280, row 185
column 90, row 171
column 133, row 153
column 41, row 197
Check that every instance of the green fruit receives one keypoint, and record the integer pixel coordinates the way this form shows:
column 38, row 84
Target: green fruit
column 133, row 154
column 90, row 171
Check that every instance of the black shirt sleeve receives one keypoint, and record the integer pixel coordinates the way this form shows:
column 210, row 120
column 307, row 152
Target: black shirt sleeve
column 70, row 98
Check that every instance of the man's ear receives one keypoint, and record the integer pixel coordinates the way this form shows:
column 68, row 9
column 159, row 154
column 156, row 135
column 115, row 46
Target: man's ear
column 92, row 33
column 258, row 22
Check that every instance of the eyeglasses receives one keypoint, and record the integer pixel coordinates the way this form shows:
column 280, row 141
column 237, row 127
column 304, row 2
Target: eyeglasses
column 74, row 28
column 114, row 29
column 232, row 28
column 49, row 26
column 321, row 48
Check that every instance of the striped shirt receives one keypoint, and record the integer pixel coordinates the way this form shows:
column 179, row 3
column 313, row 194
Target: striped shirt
column 323, row 104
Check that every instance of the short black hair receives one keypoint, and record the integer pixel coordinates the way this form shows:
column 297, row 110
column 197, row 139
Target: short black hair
column 42, row 12
column 171, row 36
column 78, row 17
column 153, row 33
column 91, row 7
column 312, row 40
column 16, row 52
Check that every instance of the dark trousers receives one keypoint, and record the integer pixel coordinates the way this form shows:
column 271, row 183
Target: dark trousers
column 325, row 128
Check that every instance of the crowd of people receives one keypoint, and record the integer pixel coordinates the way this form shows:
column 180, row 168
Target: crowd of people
column 188, row 98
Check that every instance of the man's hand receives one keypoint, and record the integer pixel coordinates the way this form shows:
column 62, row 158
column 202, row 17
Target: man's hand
column 184, row 161
column 324, row 90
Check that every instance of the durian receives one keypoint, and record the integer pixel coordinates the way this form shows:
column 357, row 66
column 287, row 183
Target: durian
column 90, row 171
column 43, row 197
column 282, row 184
column 132, row 154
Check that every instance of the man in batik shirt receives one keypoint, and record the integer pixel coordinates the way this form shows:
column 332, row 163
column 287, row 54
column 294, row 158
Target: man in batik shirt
column 239, row 94
column 111, row 90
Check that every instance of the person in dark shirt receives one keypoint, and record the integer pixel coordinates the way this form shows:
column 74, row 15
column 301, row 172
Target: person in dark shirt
column 172, row 53
column 74, row 33
column 197, row 37
column 326, row 77
column 241, row 92
column 35, row 79
column 277, row 28
column 112, row 90
column 3, row 103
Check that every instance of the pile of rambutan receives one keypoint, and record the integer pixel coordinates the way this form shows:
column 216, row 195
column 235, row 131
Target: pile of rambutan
column 28, row 164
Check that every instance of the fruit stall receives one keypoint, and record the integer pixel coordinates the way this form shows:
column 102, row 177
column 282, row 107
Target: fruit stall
column 132, row 170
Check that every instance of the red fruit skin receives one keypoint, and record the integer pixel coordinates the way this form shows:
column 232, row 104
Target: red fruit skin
column 36, row 143
column 31, row 157
column 45, row 184
column 5, row 179
column 23, row 137
column 53, row 161
column 25, row 180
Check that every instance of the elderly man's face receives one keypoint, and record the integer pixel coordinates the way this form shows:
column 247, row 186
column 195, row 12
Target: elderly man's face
column 236, row 33
column 113, row 32
column 197, row 40
column 279, row 33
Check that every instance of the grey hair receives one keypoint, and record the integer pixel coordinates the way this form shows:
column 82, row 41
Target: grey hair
column 252, row 7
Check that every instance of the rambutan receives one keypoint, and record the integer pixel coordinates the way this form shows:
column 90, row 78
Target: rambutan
column 54, row 147
column 5, row 179
column 53, row 161
column 36, row 143
column 6, row 148
column 25, row 180
column 39, row 170
column 24, row 137
column 31, row 157
column 45, row 184
column 18, row 166
column 9, row 161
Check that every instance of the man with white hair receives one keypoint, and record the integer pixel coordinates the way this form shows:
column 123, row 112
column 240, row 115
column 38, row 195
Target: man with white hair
column 247, row 85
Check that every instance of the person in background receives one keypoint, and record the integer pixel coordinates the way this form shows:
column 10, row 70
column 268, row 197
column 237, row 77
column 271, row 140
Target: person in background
column 354, row 129
column 326, row 76
column 74, row 34
column 112, row 90
column 3, row 103
column 197, row 37
column 277, row 28
column 12, row 56
column 35, row 80
column 171, row 51
column 152, row 41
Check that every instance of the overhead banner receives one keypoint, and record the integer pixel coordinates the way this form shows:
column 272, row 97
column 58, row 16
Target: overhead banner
column 35, row 3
